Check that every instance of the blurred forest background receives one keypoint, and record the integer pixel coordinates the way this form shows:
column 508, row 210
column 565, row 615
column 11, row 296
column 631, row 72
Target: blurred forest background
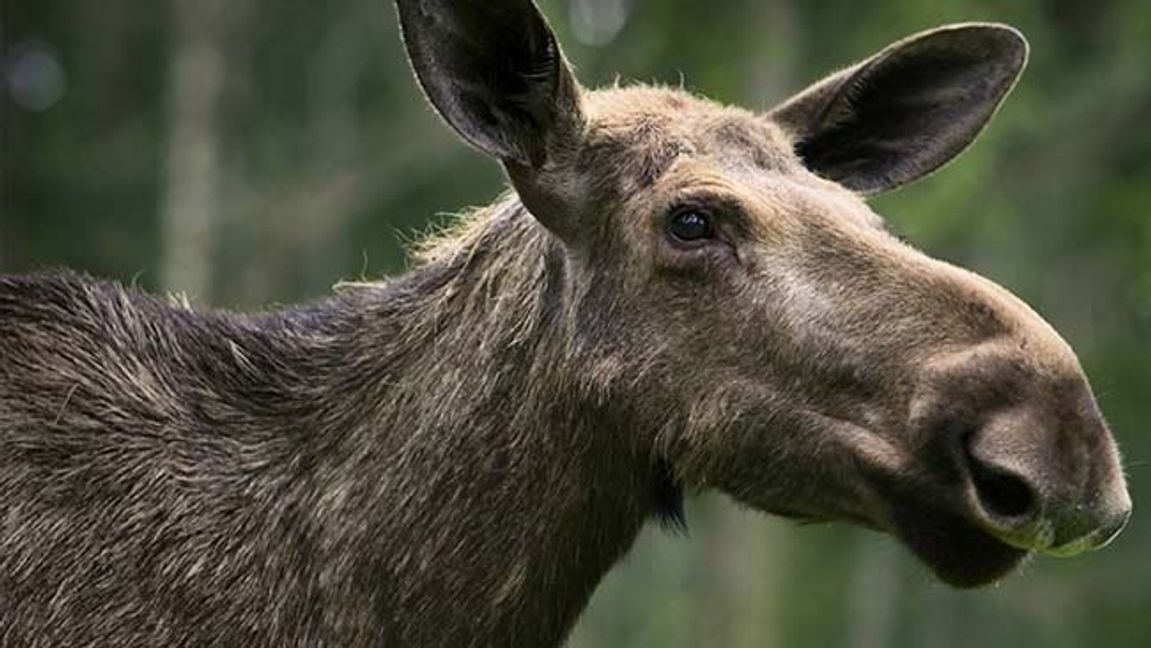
column 251, row 152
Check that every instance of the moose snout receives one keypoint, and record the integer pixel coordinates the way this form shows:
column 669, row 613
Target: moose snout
column 1018, row 445
column 1030, row 504
column 1039, row 472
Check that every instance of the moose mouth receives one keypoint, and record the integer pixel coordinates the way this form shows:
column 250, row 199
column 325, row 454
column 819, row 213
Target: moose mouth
column 959, row 552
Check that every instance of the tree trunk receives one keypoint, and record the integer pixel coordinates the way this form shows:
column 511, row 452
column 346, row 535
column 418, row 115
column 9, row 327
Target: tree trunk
column 739, row 603
column 5, row 138
column 196, row 77
column 873, row 588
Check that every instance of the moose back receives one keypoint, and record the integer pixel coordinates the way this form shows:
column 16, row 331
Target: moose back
column 675, row 295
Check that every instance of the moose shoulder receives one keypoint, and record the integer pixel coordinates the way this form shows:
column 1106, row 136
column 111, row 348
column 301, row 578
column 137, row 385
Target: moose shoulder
column 675, row 295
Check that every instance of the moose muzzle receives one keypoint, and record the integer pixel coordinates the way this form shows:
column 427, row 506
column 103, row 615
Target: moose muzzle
column 1036, row 465
column 1045, row 483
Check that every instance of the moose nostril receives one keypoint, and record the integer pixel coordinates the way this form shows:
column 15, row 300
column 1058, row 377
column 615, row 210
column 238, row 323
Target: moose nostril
column 1002, row 493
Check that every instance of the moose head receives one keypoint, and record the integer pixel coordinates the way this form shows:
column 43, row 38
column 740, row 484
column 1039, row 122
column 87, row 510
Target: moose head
column 731, row 296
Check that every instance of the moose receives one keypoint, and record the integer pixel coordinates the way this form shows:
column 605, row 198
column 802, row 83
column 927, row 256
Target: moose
column 673, row 296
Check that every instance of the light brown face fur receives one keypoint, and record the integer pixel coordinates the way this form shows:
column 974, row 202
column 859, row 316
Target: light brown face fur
column 796, row 355
column 809, row 363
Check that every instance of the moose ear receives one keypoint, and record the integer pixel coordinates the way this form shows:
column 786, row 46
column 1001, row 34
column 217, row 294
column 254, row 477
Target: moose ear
column 906, row 111
column 495, row 72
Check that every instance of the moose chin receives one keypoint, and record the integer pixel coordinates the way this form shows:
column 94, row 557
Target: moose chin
column 673, row 296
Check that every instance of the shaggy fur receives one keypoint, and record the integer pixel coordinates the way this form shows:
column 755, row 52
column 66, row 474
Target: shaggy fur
column 316, row 476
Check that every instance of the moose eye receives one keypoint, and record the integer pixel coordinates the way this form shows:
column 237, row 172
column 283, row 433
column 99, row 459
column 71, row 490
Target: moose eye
column 690, row 225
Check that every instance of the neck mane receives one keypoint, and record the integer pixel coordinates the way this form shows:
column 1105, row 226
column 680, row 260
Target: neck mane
column 494, row 492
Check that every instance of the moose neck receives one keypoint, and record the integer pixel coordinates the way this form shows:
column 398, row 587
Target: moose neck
column 498, row 495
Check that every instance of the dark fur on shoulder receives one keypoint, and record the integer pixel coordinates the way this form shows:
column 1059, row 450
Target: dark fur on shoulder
column 289, row 478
